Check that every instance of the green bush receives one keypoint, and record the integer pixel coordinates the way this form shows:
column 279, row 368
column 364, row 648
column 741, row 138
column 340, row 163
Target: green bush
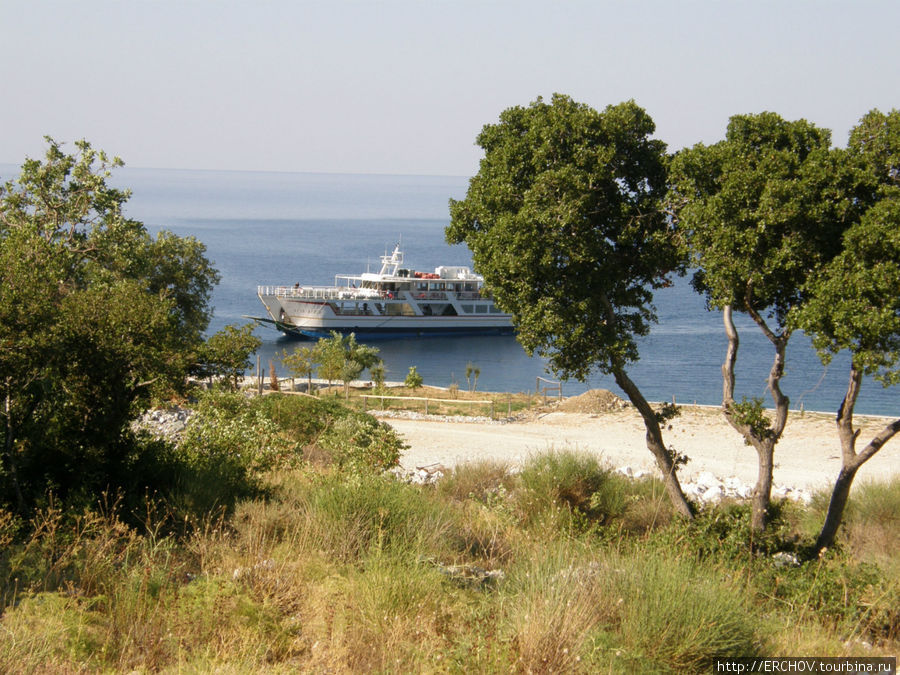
column 362, row 443
column 722, row 532
column 570, row 489
column 224, row 451
column 301, row 418
column 227, row 427
column 351, row 440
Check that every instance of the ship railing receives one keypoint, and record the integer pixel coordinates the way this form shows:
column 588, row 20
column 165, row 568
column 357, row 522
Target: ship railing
column 301, row 292
column 324, row 293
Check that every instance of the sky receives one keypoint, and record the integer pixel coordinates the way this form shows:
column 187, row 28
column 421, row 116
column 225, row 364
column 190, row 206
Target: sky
column 405, row 86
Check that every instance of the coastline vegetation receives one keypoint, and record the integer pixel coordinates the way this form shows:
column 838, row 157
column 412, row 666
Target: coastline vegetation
column 314, row 558
column 275, row 533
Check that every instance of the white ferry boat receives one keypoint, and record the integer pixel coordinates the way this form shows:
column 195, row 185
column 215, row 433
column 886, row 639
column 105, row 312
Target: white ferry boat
column 395, row 302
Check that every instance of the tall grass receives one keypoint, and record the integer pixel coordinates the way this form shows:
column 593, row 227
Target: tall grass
column 561, row 567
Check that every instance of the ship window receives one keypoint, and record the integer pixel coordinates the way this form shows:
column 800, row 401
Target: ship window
column 467, row 309
column 480, row 309
column 495, row 310
column 399, row 308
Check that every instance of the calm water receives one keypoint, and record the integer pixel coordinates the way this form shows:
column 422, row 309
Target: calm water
column 275, row 228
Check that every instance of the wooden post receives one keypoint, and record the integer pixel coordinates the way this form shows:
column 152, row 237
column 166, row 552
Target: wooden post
column 258, row 377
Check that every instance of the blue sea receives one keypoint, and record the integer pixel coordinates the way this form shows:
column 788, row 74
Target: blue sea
column 283, row 228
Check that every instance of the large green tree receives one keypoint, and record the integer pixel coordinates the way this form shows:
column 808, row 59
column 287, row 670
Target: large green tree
column 564, row 221
column 854, row 301
column 95, row 315
column 761, row 210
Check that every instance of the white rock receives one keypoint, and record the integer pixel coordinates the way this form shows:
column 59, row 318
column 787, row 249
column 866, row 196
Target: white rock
column 707, row 479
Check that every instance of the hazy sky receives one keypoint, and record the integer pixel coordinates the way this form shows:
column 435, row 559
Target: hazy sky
column 404, row 86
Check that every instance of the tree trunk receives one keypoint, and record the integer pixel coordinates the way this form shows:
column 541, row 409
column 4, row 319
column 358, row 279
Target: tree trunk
column 655, row 443
column 850, row 460
column 839, row 496
column 763, row 441
column 762, row 491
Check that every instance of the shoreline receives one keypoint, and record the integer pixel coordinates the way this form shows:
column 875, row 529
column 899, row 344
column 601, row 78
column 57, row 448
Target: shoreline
column 807, row 458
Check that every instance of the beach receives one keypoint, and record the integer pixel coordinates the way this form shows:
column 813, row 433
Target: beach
column 807, row 458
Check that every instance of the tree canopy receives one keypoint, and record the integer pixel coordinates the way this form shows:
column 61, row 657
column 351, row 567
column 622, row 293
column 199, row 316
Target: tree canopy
column 853, row 301
column 564, row 221
column 95, row 314
column 760, row 210
column 227, row 353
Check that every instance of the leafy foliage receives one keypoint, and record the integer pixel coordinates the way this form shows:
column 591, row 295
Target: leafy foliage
column 362, row 443
column 96, row 316
column 751, row 413
column 413, row 379
column 227, row 353
column 302, row 362
column 758, row 211
column 853, row 301
column 563, row 222
column 228, row 428
column 341, row 357
column 352, row 441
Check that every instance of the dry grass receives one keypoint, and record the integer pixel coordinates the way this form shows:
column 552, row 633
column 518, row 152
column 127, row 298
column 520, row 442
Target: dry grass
column 358, row 573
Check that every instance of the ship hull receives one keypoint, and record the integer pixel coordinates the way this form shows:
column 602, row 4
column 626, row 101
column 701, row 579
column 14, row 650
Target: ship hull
column 395, row 332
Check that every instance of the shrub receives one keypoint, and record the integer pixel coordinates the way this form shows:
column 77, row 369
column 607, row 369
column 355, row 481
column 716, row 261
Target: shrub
column 413, row 379
column 723, row 532
column 362, row 443
column 571, row 489
column 301, row 418
column 351, row 517
column 666, row 627
column 483, row 481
